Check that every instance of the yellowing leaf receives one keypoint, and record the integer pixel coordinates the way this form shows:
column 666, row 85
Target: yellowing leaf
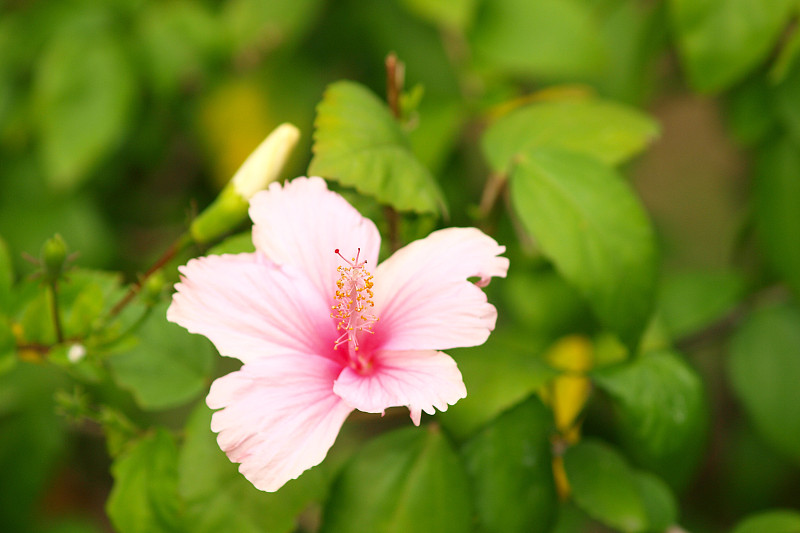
column 569, row 392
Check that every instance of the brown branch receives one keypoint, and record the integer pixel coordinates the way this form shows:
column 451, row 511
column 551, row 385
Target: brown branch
column 393, row 220
column 160, row 263
column 394, row 85
column 41, row 349
column 491, row 192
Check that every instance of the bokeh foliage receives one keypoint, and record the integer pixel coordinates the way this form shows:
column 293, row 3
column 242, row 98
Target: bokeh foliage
column 629, row 385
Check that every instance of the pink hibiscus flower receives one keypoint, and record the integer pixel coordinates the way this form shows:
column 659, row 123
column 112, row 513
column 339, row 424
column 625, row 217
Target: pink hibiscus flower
column 322, row 329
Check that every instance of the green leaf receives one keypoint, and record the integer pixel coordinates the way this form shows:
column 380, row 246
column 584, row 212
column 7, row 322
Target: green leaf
column 407, row 480
column 33, row 440
column 588, row 221
column 720, row 41
column 609, row 131
column 241, row 243
column 168, row 367
column 543, row 301
column 572, row 519
column 8, row 347
column 144, row 498
column 219, row 498
column 6, row 277
column 764, row 369
column 177, row 40
column 690, row 301
column 777, row 208
column 511, row 468
column 257, row 25
column 498, row 374
column 661, row 411
column 83, row 92
column 777, row 521
column 35, row 213
column 434, row 139
column 787, row 57
column 659, row 502
column 604, row 486
column 451, row 14
column 750, row 112
column 635, row 37
column 755, row 474
column 36, row 322
column 83, row 296
column 358, row 143
column 549, row 38
column 785, row 100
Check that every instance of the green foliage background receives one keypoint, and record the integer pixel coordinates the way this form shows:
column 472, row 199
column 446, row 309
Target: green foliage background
column 639, row 159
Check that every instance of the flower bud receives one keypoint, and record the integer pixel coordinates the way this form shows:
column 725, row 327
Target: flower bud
column 265, row 164
column 53, row 257
column 76, row 353
column 153, row 288
column 260, row 168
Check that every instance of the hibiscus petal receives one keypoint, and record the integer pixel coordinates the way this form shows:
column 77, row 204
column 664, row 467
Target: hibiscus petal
column 279, row 416
column 419, row 380
column 303, row 223
column 422, row 295
column 251, row 308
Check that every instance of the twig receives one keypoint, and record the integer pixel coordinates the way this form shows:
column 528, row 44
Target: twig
column 393, row 220
column 491, row 192
column 165, row 258
column 394, row 85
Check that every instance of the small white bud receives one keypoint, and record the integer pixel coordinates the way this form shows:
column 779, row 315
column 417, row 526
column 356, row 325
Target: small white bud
column 76, row 353
column 261, row 168
column 264, row 165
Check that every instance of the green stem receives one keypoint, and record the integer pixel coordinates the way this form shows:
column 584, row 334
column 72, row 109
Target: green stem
column 55, row 313
column 130, row 329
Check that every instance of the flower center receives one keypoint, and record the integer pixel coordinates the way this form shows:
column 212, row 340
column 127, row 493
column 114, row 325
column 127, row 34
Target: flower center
column 353, row 304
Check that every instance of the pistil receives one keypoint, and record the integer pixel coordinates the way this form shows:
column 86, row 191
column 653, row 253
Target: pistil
column 353, row 304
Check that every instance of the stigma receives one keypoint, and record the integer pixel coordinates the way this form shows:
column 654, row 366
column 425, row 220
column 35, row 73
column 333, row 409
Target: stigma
column 353, row 302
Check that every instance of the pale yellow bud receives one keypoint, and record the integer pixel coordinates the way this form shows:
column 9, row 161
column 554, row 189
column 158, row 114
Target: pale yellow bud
column 260, row 168
column 264, row 165
column 76, row 353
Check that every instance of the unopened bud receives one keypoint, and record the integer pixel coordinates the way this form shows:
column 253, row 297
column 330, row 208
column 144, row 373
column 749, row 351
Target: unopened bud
column 76, row 352
column 53, row 257
column 265, row 164
column 153, row 288
column 261, row 168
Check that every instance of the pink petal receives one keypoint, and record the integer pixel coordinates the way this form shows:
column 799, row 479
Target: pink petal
column 419, row 380
column 279, row 416
column 302, row 223
column 423, row 298
column 251, row 308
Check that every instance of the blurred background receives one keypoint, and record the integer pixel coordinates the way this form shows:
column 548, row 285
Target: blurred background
column 121, row 119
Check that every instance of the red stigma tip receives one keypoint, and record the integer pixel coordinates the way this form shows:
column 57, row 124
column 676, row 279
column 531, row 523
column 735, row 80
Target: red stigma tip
column 336, row 251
